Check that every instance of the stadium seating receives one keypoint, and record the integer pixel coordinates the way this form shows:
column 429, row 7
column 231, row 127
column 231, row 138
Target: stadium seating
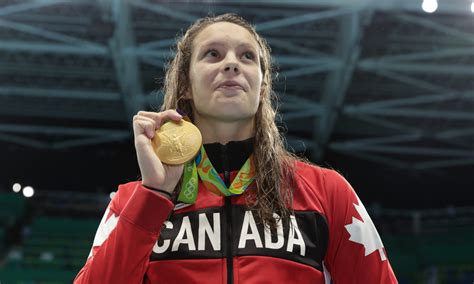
column 12, row 207
column 59, row 246
column 2, row 240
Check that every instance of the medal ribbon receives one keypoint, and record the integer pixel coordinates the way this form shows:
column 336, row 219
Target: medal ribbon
column 202, row 166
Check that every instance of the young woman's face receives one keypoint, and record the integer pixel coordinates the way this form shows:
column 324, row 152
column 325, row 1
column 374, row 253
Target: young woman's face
column 224, row 73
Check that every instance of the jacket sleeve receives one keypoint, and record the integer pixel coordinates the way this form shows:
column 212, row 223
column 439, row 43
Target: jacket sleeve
column 124, row 240
column 355, row 253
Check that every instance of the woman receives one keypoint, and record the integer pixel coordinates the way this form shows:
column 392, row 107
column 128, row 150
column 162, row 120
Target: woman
column 291, row 222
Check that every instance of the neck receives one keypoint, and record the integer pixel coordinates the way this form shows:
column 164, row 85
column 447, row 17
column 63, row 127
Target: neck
column 223, row 132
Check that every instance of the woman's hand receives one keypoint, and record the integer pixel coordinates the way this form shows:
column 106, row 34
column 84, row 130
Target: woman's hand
column 154, row 172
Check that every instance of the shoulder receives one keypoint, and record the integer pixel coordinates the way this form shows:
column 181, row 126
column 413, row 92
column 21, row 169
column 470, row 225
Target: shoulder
column 328, row 181
column 312, row 191
column 311, row 173
column 326, row 189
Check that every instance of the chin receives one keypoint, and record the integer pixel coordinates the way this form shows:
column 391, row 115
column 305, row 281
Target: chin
column 233, row 115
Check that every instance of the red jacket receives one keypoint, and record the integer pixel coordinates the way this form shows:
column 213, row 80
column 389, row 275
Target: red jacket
column 144, row 238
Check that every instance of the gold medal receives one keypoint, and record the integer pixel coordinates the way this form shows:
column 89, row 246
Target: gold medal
column 176, row 143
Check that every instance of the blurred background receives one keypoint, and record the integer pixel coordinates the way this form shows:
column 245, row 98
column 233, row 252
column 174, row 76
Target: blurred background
column 382, row 91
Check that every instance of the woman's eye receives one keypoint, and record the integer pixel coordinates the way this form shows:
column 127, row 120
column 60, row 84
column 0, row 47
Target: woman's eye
column 249, row 55
column 212, row 52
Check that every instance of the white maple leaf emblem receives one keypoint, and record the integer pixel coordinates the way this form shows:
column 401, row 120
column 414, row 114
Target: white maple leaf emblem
column 364, row 232
column 106, row 226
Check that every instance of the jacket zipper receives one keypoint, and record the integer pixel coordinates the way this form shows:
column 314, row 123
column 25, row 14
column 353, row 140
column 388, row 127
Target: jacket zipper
column 230, row 267
column 228, row 208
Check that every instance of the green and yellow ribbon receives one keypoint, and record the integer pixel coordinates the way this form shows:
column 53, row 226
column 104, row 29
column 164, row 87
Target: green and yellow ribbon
column 201, row 166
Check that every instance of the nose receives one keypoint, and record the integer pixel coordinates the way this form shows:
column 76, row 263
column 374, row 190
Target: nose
column 231, row 64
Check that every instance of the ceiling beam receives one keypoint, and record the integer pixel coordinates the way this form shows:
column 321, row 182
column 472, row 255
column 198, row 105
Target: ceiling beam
column 126, row 64
column 51, row 48
column 416, row 100
column 31, row 5
column 48, row 34
column 308, row 17
column 164, row 10
column 337, row 82
column 459, row 162
column 98, row 95
column 417, row 68
column 411, row 112
column 430, row 24
column 12, row 133
column 411, row 81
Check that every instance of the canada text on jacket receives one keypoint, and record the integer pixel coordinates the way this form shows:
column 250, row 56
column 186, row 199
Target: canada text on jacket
column 202, row 234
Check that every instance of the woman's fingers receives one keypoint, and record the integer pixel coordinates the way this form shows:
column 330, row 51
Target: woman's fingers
column 148, row 122
column 161, row 117
column 146, row 125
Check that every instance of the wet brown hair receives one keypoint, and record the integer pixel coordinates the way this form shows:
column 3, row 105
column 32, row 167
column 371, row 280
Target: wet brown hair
column 274, row 164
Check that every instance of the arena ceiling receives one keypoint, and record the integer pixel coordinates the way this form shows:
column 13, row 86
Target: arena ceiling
column 379, row 90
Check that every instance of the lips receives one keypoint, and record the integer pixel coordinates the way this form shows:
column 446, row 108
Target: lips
column 231, row 84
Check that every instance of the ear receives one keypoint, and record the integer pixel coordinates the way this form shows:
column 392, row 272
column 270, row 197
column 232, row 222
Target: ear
column 187, row 94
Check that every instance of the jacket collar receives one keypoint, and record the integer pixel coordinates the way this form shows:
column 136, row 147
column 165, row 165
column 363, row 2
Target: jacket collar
column 231, row 156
